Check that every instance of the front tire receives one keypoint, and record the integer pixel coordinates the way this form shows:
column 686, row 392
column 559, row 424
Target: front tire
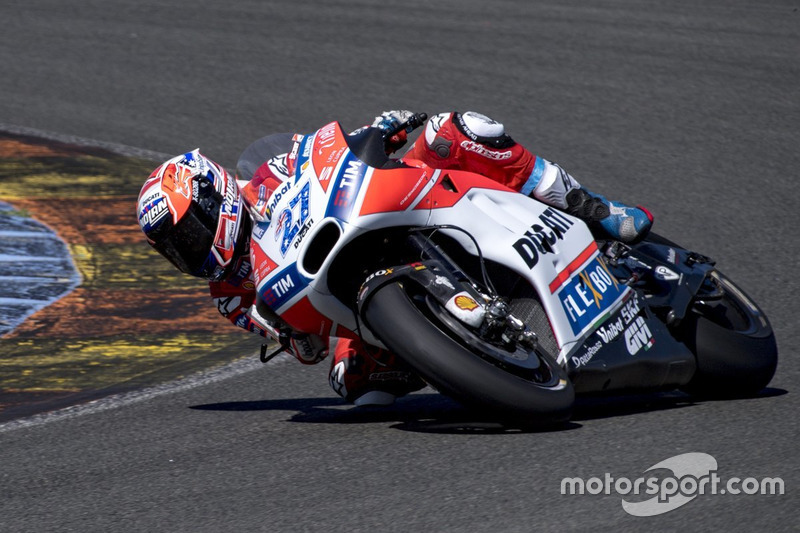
column 433, row 350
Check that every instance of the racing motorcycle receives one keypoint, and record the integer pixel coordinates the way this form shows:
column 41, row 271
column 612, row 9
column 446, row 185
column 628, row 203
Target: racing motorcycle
column 495, row 299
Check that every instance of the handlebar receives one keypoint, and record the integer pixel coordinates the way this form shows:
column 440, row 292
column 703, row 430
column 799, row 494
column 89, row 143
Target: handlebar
column 414, row 121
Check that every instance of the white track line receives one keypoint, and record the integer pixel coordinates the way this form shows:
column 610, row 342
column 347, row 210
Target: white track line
column 120, row 149
column 236, row 368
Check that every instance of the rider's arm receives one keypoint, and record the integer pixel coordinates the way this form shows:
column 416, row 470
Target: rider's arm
column 235, row 302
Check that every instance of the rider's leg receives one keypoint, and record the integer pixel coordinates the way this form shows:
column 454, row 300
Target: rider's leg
column 473, row 142
column 368, row 376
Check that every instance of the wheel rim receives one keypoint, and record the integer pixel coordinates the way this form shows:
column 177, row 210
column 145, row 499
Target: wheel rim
column 527, row 365
column 731, row 310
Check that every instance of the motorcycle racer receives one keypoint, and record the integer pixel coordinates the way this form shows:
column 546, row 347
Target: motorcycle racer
column 197, row 215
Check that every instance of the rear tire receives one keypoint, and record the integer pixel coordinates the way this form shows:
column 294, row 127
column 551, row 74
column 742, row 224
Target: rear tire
column 427, row 345
column 733, row 343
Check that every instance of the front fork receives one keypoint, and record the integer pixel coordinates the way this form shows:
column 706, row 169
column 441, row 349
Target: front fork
column 494, row 322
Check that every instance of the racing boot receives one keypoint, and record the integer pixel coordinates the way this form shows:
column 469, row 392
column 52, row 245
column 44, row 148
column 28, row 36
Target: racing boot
column 551, row 184
column 369, row 377
column 614, row 219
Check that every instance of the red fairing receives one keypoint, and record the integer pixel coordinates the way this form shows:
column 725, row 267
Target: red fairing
column 303, row 316
column 510, row 166
column 394, row 190
column 441, row 196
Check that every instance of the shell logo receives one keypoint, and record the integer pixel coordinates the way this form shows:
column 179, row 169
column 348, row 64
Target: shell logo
column 466, row 303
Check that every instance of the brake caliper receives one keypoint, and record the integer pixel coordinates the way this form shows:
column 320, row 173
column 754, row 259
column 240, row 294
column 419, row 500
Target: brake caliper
column 502, row 328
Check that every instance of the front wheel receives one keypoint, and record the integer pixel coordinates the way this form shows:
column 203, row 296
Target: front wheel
column 732, row 340
column 458, row 367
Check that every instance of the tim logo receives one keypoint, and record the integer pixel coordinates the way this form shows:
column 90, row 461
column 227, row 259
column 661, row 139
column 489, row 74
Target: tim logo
column 279, row 290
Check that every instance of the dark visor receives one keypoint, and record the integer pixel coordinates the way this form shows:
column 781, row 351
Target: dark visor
column 188, row 243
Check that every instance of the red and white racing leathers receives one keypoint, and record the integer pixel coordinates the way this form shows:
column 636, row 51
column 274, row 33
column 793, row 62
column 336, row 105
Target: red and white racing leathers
column 466, row 141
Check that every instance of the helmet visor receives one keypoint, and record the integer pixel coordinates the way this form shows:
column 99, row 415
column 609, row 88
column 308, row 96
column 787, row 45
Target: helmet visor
column 189, row 243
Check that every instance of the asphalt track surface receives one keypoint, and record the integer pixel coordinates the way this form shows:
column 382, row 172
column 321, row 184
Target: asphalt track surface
column 689, row 108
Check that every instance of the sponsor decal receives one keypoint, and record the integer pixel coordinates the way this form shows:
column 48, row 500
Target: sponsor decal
column 229, row 218
column 441, row 280
column 466, row 309
column 581, row 360
column 303, row 232
column 325, row 174
column 277, row 165
column 326, row 137
column 153, row 214
column 295, row 147
column 390, row 375
column 293, row 219
column 302, row 160
column 282, row 286
column 472, row 146
column 665, row 274
column 382, row 272
column 586, row 296
column 433, row 127
column 226, row 306
column 631, row 309
column 466, row 303
column 278, row 195
column 263, row 264
column 306, row 349
column 437, row 121
column 242, row 271
column 638, row 336
column 413, row 191
column 334, row 157
column 348, row 183
column 610, row 331
column 672, row 256
column 540, row 238
column 464, row 128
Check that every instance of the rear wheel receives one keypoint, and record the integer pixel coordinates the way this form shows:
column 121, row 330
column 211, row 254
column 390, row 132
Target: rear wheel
column 459, row 364
column 732, row 340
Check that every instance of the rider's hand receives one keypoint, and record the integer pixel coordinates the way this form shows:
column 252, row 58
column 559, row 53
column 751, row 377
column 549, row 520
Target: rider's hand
column 388, row 121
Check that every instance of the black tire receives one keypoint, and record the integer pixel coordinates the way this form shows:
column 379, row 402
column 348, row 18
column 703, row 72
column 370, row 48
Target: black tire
column 733, row 343
column 427, row 346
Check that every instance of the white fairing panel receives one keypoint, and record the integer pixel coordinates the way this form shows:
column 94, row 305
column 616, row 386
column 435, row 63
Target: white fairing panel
column 554, row 251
